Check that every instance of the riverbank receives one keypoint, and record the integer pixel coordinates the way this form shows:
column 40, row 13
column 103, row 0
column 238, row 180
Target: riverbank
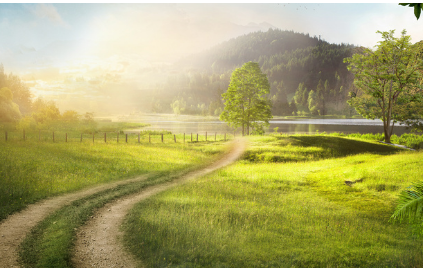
column 198, row 124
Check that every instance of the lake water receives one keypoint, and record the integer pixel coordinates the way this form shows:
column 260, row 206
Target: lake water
column 197, row 124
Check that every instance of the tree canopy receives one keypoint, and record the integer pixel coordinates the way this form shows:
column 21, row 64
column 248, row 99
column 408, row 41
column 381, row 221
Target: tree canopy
column 389, row 81
column 246, row 102
column 9, row 110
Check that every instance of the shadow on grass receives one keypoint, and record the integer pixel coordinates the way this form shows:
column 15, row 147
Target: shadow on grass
column 345, row 147
column 309, row 148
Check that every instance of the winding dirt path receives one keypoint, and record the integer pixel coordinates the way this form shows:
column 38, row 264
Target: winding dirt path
column 14, row 228
column 98, row 242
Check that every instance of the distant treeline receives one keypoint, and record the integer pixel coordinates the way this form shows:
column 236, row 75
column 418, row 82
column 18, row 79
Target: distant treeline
column 297, row 65
column 18, row 109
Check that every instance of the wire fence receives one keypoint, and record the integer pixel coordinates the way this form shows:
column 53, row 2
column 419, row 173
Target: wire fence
column 115, row 137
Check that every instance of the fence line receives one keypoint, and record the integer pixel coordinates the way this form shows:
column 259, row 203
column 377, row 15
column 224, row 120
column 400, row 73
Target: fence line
column 31, row 136
column 71, row 136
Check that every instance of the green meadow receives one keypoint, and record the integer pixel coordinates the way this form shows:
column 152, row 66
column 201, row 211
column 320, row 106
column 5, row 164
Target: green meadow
column 37, row 168
column 292, row 201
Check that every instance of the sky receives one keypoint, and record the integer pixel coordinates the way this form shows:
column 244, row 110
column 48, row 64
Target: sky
column 57, row 48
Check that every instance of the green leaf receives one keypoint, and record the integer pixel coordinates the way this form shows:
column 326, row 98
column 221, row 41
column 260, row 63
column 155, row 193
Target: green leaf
column 417, row 10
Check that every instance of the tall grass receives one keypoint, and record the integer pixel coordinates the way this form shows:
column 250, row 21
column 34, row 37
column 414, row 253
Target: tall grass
column 31, row 170
column 295, row 210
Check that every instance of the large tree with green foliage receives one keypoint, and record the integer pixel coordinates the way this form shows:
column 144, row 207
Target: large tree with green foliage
column 388, row 80
column 246, row 101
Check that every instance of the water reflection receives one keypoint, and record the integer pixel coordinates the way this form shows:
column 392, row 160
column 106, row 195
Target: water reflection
column 197, row 124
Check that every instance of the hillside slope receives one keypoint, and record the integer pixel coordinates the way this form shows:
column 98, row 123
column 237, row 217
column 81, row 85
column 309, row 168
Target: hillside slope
column 288, row 58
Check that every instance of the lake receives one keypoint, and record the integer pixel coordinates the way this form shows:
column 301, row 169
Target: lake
column 198, row 124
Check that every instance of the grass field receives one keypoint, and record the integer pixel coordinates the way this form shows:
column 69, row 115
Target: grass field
column 293, row 201
column 50, row 243
column 31, row 170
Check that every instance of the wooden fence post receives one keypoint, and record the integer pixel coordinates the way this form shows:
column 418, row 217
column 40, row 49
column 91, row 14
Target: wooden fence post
column 53, row 136
column 162, row 137
column 174, row 137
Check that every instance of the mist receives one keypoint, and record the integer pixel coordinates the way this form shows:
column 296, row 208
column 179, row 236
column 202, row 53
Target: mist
column 111, row 58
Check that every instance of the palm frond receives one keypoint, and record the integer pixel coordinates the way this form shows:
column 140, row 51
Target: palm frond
column 410, row 204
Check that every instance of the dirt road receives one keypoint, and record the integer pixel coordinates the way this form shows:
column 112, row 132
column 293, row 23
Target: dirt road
column 99, row 242
column 14, row 229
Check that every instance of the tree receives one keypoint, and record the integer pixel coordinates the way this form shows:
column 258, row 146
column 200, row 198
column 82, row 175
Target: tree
column 280, row 101
column 70, row 116
column 178, row 106
column 301, row 95
column 45, row 112
column 9, row 111
column 21, row 94
column 246, row 102
column 313, row 103
column 388, row 80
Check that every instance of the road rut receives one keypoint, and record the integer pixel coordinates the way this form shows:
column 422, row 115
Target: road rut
column 98, row 242
column 14, row 228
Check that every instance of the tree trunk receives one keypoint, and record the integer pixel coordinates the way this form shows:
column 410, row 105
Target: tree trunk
column 387, row 133
column 387, row 122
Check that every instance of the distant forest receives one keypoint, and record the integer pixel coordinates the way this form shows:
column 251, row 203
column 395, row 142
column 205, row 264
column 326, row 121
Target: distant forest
column 307, row 75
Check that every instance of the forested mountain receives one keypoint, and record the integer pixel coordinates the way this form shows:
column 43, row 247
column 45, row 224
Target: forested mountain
column 305, row 71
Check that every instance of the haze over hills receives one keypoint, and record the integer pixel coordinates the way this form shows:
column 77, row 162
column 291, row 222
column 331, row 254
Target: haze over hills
column 79, row 76
column 293, row 62
column 288, row 58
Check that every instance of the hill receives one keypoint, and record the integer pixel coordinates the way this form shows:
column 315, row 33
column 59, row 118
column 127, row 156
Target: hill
column 295, row 64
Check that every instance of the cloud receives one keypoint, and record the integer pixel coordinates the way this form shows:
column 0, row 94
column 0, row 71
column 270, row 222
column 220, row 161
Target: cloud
column 50, row 12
